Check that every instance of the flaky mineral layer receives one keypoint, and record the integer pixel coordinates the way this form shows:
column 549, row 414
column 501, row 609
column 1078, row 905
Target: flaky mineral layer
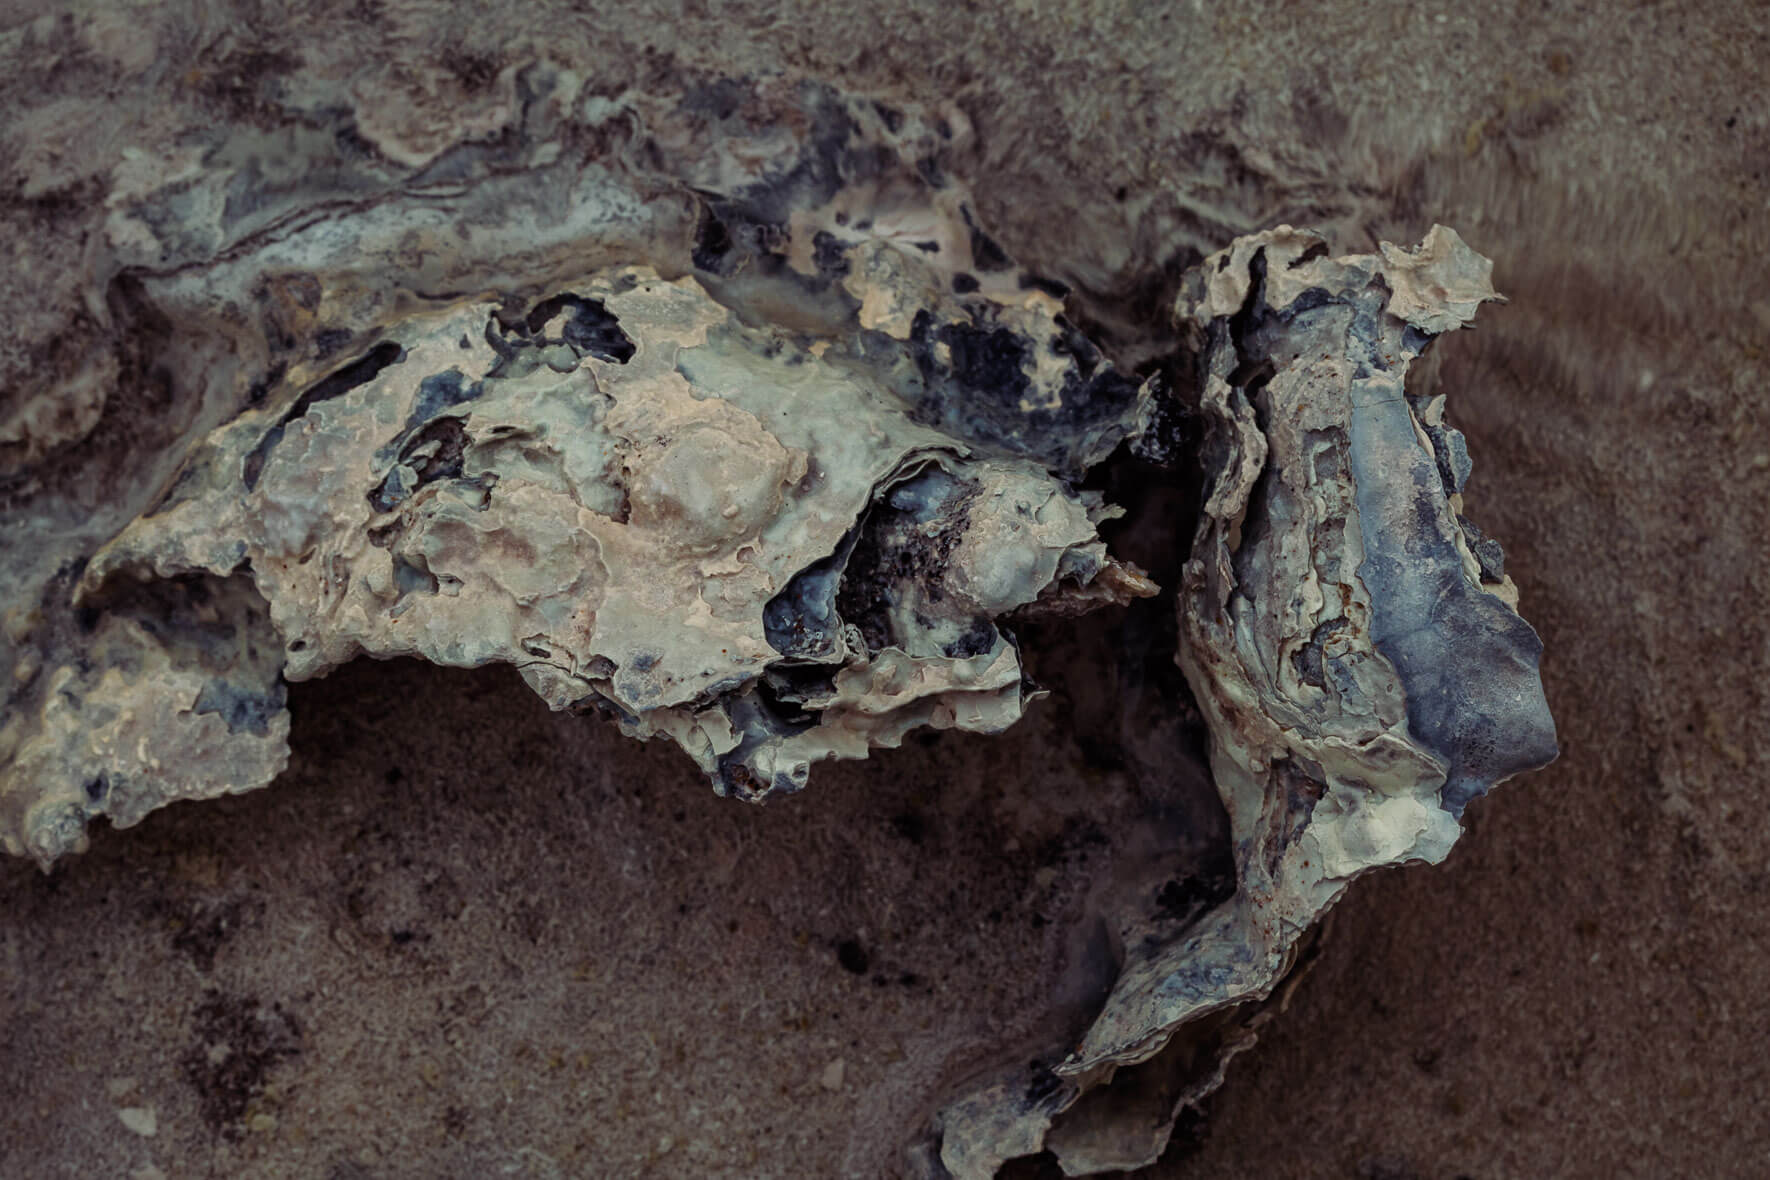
column 718, row 413
column 1352, row 641
column 761, row 479
column 706, row 530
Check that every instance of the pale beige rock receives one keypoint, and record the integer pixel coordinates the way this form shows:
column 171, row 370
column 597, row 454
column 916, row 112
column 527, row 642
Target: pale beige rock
column 667, row 498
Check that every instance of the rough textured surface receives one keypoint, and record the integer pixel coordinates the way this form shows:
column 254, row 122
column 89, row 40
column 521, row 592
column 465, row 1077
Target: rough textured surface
column 1602, row 158
column 633, row 538
column 774, row 510
column 1361, row 672
column 771, row 511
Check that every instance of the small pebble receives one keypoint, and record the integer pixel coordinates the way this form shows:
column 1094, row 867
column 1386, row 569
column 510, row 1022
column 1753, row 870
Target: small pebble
column 834, row 1073
column 140, row 1119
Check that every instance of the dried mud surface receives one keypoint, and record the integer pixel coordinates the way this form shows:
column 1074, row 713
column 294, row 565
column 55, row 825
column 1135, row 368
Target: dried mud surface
column 375, row 969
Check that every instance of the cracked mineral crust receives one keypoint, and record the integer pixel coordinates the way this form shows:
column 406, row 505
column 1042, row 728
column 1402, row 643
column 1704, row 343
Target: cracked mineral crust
column 750, row 450
column 1353, row 644
column 717, row 413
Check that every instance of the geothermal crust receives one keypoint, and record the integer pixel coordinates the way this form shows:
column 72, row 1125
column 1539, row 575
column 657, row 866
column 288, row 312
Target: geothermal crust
column 718, row 413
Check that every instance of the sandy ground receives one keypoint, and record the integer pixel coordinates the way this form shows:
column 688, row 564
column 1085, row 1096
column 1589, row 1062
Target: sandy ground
column 464, row 937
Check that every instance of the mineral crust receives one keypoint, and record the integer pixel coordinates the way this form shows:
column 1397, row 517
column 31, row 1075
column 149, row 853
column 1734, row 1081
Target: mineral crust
column 1353, row 644
column 748, row 445
column 718, row 413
